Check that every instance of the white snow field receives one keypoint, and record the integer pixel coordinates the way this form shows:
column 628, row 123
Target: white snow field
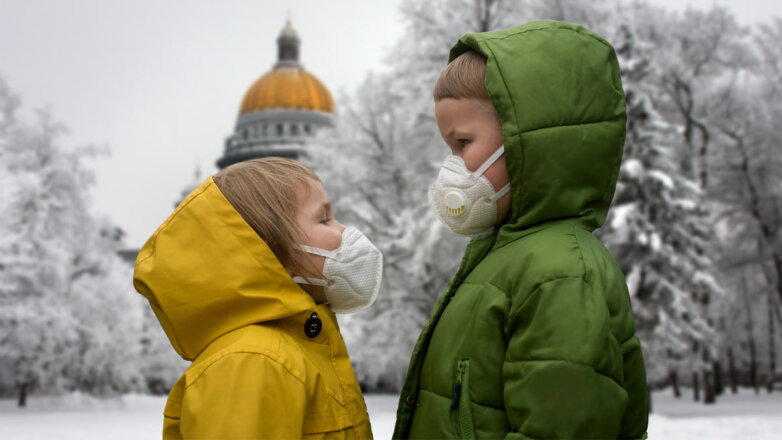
column 81, row 417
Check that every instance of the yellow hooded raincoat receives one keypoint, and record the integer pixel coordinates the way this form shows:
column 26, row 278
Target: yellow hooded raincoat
column 227, row 304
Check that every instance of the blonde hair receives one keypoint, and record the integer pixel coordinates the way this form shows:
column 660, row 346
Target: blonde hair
column 265, row 192
column 464, row 77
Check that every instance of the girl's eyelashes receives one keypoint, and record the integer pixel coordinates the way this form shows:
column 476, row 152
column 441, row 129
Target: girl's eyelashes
column 325, row 215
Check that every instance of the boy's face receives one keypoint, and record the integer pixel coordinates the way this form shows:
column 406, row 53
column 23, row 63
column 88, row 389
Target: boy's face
column 471, row 128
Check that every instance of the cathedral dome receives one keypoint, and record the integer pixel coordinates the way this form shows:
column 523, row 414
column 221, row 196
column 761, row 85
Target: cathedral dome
column 282, row 111
column 287, row 88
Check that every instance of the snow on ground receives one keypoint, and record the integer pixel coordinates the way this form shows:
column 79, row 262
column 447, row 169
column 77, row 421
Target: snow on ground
column 745, row 415
column 81, row 417
column 77, row 416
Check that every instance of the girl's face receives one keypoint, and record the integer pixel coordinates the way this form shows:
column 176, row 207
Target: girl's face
column 320, row 228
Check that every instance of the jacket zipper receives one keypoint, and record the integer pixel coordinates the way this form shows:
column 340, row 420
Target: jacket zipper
column 461, row 399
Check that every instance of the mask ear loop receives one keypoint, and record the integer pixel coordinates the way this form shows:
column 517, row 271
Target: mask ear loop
column 313, row 281
column 315, row 251
column 489, row 162
column 334, row 255
column 498, row 195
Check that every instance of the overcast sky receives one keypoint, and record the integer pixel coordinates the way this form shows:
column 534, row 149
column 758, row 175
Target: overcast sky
column 160, row 82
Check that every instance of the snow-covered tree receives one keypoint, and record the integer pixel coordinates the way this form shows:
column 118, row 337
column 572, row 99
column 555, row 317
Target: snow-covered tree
column 657, row 227
column 747, row 186
column 705, row 90
column 68, row 317
column 692, row 67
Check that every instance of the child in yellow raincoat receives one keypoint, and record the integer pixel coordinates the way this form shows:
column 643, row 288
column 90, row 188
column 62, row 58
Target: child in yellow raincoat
column 245, row 277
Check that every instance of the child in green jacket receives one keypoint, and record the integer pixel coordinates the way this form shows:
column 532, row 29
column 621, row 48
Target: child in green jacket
column 534, row 336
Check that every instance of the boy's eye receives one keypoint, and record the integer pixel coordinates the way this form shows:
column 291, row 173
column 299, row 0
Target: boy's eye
column 462, row 142
column 325, row 220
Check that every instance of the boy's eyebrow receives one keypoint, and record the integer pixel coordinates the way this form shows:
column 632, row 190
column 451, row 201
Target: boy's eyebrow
column 456, row 132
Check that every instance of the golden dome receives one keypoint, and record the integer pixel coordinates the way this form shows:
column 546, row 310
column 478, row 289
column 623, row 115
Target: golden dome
column 287, row 88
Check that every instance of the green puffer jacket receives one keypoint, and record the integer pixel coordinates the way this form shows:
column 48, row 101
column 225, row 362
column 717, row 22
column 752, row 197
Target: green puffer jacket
column 534, row 336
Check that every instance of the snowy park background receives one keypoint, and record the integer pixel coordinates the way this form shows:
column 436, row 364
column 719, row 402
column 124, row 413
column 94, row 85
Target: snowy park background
column 695, row 226
column 135, row 416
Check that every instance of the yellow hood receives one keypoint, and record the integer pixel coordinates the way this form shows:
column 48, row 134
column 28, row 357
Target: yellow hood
column 206, row 272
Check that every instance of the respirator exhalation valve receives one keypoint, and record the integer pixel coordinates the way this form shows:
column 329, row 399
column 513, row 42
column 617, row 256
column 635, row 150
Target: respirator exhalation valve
column 455, row 202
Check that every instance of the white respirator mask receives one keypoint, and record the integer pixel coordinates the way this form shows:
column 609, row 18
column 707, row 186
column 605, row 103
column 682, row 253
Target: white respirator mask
column 352, row 272
column 464, row 200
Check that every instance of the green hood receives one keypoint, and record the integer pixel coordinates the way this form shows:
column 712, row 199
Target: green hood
column 557, row 90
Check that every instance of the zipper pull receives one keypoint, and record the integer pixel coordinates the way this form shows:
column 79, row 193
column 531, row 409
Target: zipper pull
column 457, row 391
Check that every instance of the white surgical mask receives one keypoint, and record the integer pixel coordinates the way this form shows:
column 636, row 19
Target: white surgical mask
column 466, row 201
column 352, row 272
